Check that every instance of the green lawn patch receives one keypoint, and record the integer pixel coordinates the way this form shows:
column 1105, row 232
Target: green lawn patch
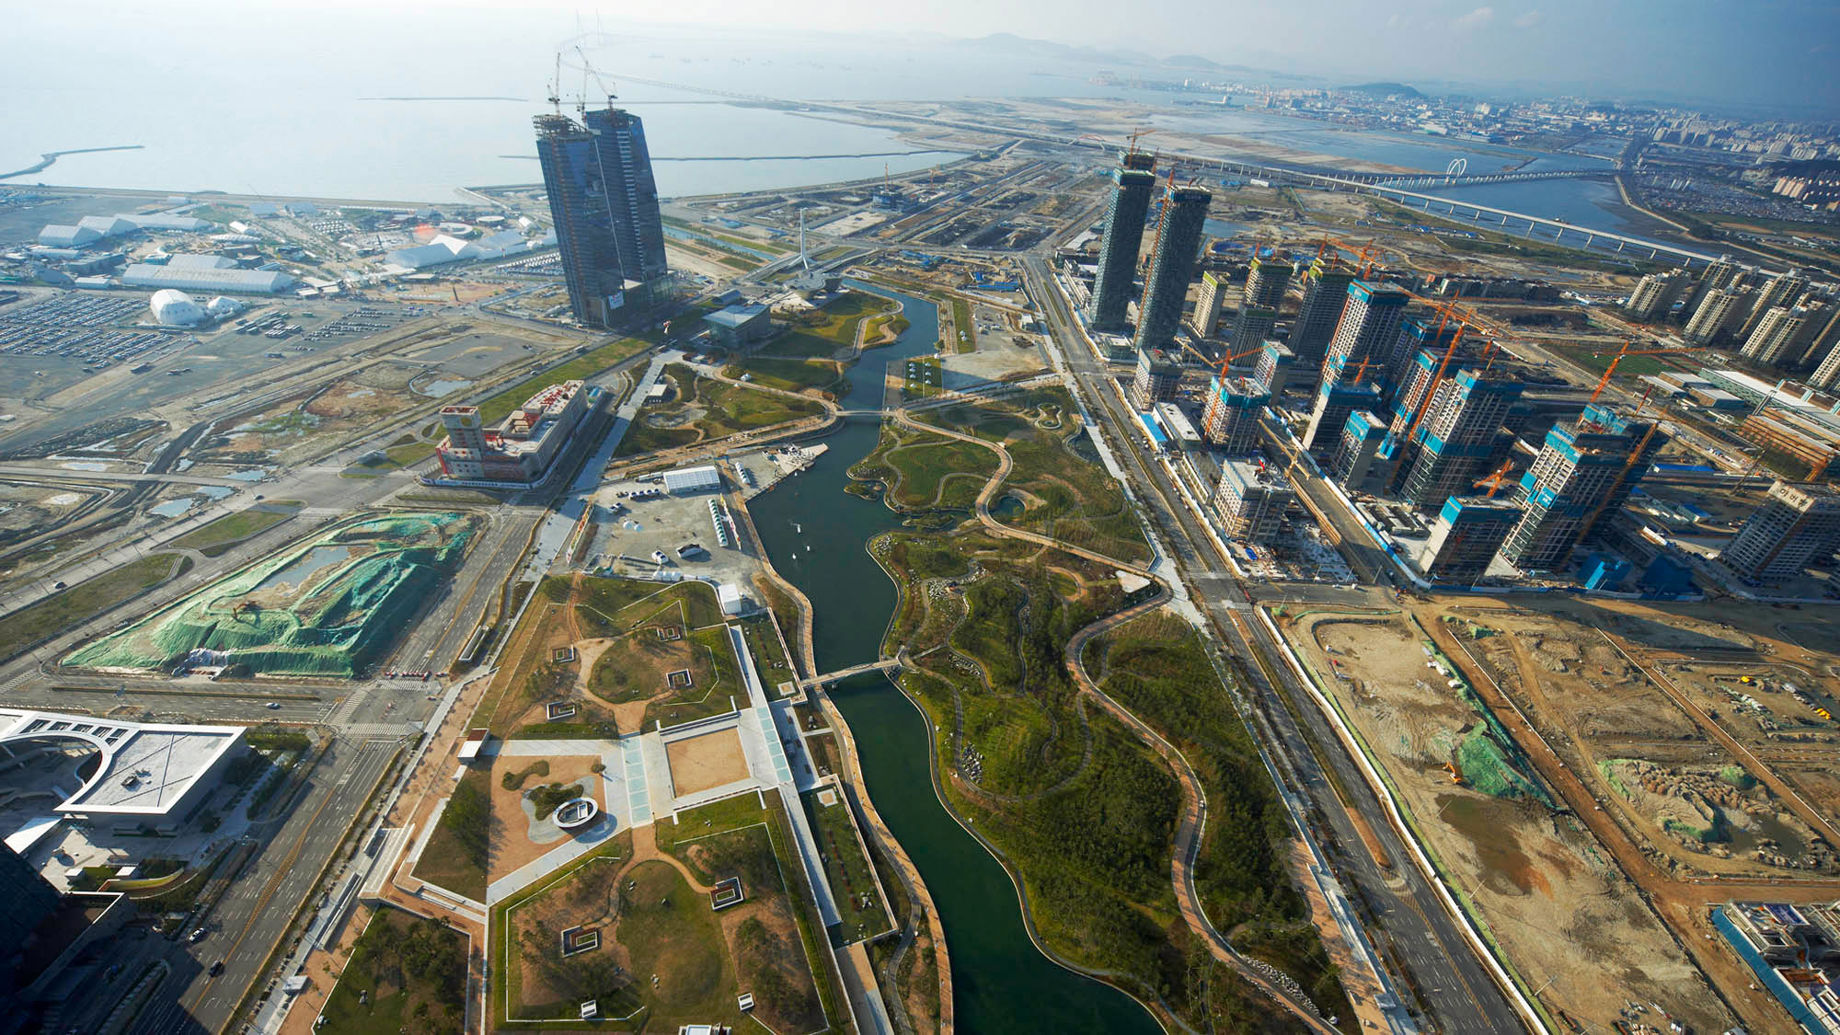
column 499, row 406
column 790, row 375
column 406, row 973
column 216, row 538
column 25, row 628
column 458, row 851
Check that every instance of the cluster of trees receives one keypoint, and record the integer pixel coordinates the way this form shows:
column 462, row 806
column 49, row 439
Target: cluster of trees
column 468, row 817
column 422, row 958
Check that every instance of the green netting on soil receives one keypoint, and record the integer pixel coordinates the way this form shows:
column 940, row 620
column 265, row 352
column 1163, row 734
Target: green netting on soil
column 326, row 608
column 1486, row 768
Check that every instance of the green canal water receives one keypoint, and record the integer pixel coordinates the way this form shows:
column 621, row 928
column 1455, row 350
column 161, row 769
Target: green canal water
column 815, row 533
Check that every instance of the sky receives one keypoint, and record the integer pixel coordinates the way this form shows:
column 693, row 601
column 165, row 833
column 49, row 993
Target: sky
column 1783, row 53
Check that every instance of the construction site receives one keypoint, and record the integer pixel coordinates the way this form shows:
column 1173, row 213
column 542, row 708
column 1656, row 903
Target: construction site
column 325, row 607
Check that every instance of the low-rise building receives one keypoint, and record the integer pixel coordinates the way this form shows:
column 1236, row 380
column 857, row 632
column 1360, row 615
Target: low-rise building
column 521, row 448
column 739, row 326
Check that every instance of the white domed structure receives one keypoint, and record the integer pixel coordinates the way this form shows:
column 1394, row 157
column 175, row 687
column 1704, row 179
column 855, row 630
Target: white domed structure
column 175, row 308
column 221, row 307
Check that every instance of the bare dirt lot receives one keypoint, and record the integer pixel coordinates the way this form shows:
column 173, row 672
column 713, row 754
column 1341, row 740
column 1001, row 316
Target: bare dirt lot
column 702, row 763
column 1557, row 903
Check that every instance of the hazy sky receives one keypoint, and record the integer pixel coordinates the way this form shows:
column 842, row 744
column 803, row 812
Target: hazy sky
column 1781, row 52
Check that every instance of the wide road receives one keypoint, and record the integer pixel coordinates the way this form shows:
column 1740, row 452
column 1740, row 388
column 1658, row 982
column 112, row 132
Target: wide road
column 1421, row 940
column 245, row 925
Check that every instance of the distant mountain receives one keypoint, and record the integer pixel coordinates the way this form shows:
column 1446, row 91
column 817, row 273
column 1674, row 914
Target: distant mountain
column 1012, row 45
column 1383, row 90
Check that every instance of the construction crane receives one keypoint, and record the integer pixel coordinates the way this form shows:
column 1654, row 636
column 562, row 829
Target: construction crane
column 1497, row 478
column 1162, row 217
column 587, row 69
column 1610, row 370
column 555, row 86
column 1136, row 135
column 1225, row 360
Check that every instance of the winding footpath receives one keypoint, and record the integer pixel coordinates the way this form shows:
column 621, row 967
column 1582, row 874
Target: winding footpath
column 1187, row 844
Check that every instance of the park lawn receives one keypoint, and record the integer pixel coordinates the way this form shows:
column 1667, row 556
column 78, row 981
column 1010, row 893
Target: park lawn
column 919, row 470
column 217, row 537
column 669, row 931
column 819, row 334
column 717, row 689
column 578, row 893
column 737, row 827
column 790, row 375
column 499, row 406
column 846, row 866
column 412, row 973
column 1158, row 668
column 458, row 851
column 27, row 627
column 961, row 322
column 1598, row 359
column 608, row 605
column 733, row 408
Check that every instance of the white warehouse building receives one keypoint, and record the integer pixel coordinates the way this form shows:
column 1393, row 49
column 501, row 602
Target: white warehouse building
column 265, row 282
column 175, row 308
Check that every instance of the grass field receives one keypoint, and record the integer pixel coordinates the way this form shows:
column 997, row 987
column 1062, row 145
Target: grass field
column 1062, row 489
column 819, row 334
column 410, row 973
column 721, row 408
column 770, row 659
column 790, row 375
column 1157, row 667
column 219, row 536
column 1079, row 807
column 23, row 629
column 920, row 470
column 458, row 851
column 962, row 323
column 499, row 406
column 774, row 936
column 1597, row 360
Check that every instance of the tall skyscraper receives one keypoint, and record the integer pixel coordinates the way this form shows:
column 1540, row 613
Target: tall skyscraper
column 1580, row 479
column 1369, row 329
column 1274, row 368
column 1252, row 327
column 29, row 899
column 1457, row 436
column 1770, row 339
column 1178, row 241
column 1417, row 334
column 1352, row 463
column 1325, row 294
column 604, row 202
column 1156, row 378
column 1209, row 303
column 1265, row 283
column 1109, row 307
column 1716, row 310
column 1795, row 525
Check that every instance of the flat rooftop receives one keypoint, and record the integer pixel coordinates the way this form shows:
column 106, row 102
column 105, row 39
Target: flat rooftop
column 146, row 768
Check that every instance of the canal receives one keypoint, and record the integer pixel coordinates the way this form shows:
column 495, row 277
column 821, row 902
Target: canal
column 816, row 534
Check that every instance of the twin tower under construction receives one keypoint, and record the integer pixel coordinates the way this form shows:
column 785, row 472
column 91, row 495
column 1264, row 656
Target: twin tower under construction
column 1172, row 261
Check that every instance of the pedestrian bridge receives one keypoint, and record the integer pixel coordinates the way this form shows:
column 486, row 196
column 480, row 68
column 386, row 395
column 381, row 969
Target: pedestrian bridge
column 838, row 676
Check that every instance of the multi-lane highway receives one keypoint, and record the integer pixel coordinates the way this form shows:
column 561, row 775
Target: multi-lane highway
column 1421, row 941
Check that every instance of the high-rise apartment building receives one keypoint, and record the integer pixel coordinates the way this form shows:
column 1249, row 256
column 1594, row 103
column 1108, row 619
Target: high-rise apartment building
column 1465, row 538
column 1456, row 436
column 1266, row 282
column 1342, row 392
column 1132, row 183
column 1580, row 479
column 1417, row 334
column 1716, row 310
column 1155, row 379
column 1274, row 368
column 1795, row 525
column 1213, row 298
column 1770, row 339
column 1655, row 294
column 1230, row 419
column 1784, row 289
column 604, row 202
column 1369, row 329
column 1178, row 242
column 1352, row 463
column 1252, row 326
column 1251, row 499
column 1325, row 295
column 1718, row 274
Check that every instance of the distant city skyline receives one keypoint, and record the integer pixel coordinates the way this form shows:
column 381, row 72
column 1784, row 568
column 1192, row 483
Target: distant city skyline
column 1778, row 54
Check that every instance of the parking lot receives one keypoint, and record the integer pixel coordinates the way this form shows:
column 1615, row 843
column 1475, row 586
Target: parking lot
column 647, row 533
column 77, row 326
